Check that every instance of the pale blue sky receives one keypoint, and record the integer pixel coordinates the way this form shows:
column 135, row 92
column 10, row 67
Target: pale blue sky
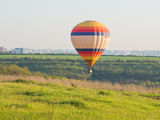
column 134, row 24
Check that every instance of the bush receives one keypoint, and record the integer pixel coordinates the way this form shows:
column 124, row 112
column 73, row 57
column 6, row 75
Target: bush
column 24, row 81
column 14, row 70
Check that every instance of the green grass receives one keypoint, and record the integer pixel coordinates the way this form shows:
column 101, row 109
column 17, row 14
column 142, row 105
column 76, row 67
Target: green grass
column 75, row 57
column 121, row 69
column 28, row 100
column 45, row 56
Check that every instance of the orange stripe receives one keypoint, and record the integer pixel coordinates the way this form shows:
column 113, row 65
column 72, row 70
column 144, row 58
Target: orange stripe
column 90, row 30
column 96, row 55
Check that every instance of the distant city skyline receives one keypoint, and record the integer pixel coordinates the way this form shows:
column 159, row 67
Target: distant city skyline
column 72, row 51
column 43, row 24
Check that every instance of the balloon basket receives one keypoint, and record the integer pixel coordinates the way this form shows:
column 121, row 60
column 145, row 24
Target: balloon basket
column 89, row 70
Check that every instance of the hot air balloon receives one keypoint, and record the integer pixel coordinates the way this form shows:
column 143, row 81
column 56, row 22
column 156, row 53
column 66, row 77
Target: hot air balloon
column 90, row 39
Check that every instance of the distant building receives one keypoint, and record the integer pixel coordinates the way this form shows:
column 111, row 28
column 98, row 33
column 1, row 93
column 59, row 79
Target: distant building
column 26, row 50
column 2, row 49
column 21, row 51
column 65, row 51
column 17, row 50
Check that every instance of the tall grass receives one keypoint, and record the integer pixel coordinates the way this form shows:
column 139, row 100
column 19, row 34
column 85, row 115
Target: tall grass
column 86, row 84
column 29, row 100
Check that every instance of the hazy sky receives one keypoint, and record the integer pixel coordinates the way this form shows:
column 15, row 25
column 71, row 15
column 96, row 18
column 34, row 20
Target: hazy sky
column 134, row 24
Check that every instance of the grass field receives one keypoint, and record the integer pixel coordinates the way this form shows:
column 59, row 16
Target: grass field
column 29, row 100
column 41, row 56
column 74, row 57
column 121, row 69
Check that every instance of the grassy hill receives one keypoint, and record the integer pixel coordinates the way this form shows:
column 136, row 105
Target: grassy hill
column 121, row 69
column 30, row 100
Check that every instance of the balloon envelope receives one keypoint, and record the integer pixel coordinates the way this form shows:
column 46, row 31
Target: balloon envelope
column 90, row 39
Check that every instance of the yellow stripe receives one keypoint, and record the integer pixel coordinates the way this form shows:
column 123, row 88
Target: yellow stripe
column 90, row 23
column 90, row 58
column 91, row 63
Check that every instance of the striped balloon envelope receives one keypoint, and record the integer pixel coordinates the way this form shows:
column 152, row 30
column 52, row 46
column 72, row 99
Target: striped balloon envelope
column 90, row 39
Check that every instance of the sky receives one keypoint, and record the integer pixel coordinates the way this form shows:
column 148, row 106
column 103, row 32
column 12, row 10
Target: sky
column 133, row 24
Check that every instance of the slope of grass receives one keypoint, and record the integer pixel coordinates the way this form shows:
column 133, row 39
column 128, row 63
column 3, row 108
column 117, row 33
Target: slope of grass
column 28, row 100
column 116, row 69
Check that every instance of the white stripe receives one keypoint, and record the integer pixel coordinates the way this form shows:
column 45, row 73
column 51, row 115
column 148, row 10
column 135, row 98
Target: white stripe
column 92, row 42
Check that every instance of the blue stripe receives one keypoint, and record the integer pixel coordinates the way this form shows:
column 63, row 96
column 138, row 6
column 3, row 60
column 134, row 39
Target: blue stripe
column 90, row 49
column 89, row 33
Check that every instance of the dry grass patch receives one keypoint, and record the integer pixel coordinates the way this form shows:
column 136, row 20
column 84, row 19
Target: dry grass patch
column 85, row 84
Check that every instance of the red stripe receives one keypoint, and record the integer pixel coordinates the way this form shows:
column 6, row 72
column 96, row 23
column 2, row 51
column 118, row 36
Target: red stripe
column 90, row 52
column 97, row 28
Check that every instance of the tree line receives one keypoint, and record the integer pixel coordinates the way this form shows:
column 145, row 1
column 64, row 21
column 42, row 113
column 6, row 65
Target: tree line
column 122, row 71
